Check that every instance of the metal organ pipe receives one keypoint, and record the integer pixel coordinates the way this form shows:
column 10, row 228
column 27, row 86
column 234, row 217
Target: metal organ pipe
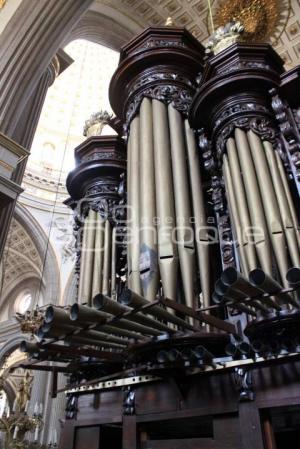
column 98, row 258
column 167, row 249
column 199, row 213
column 148, row 244
column 107, row 259
column 186, row 249
column 241, row 203
column 288, row 196
column 133, row 206
column 285, row 212
column 270, row 205
column 87, row 258
column 234, row 215
column 258, row 221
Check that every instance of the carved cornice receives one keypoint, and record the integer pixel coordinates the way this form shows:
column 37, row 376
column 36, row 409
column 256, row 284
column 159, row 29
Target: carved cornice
column 160, row 63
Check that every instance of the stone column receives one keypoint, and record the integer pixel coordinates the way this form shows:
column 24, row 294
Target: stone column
column 27, row 44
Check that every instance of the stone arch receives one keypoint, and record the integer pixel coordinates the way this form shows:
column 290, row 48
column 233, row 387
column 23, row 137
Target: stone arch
column 31, row 271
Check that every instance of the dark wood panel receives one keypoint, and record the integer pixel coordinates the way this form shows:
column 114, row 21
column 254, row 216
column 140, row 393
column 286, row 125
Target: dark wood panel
column 193, row 443
column 87, row 438
column 129, row 432
column 250, row 425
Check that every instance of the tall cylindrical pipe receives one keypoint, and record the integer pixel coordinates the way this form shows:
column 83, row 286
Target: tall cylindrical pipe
column 134, row 206
column 241, row 203
column 185, row 238
column 148, row 242
column 234, row 215
column 270, row 205
column 107, row 259
column 261, row 239
column 199, row 213
column 167, row 249
column 98, row 258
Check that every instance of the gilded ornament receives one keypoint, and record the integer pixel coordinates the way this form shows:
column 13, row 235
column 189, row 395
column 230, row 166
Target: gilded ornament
column 260, row 18
column 2, row 3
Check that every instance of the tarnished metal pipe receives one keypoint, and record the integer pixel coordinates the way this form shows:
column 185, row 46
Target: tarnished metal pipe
column 134, row 207
column 131, row 299
column 94, row 315
column 285, row 212
column 269, row 285
column 167, row 248
column 241, row 203
column 106, row 304
column 270, row 204
column 148, row 243
column 258, row 221
column 185, row 237
column 202, row 240
column 98, row 258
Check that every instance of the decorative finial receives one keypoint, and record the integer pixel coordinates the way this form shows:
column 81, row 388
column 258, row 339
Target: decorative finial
column 169, row 22
column 95, row 124
column 225, row 36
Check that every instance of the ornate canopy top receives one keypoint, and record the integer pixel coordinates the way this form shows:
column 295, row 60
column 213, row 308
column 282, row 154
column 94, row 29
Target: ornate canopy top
column 261, row 19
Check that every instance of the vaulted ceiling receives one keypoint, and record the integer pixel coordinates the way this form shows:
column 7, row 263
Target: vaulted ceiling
column 194, row 15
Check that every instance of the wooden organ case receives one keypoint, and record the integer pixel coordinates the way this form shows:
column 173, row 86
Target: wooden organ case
column 186, row 329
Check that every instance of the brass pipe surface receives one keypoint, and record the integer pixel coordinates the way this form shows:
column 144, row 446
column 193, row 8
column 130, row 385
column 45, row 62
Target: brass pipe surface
column 167, row 249
column 131, row 299
column 94, row 315
column 106, row 259
column 148, row 243
column 89, row 259
column 269, row 285
column 82, row 257
column 234, row 215
column 98, row 258
column 113, row 264
column 241, row 203
column 106, row 304
column 288, row 196
column 199, row 212
column 185, row 238
column 258, row 221
column 134, row 206
column 129, row 214
column 270, row 204
column 90, row 316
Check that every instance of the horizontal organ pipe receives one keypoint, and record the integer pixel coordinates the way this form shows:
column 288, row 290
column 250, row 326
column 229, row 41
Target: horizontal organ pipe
column 167, row 250
column 185, row 238
column 148, row 245
column 199, row 213
column 101, row 302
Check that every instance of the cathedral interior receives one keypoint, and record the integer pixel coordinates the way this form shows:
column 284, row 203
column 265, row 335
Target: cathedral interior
column 149, row 224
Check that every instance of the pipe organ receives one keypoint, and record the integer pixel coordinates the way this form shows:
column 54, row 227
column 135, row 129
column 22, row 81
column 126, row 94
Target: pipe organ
column 185, row 331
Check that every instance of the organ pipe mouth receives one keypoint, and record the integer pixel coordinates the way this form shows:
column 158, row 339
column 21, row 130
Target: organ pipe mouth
column 74, row 311
column 293, row 276
column 49, row 314
column 126, row 297
column 229, row 276
column 257, row 276
column 99, row 301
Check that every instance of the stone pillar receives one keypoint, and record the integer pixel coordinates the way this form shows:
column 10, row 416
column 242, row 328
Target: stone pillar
column 27, row 44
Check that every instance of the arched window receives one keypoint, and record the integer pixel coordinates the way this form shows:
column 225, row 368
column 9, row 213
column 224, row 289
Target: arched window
column 23, row 302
